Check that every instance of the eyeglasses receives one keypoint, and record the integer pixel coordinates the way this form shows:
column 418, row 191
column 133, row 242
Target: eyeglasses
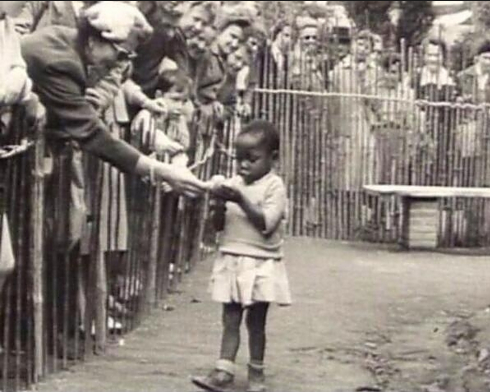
column 123, row 53
column 309, row 38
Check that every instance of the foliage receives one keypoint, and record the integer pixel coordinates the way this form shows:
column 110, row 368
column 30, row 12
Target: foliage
column 415, row 21
column 371, row 15
column 481, row 16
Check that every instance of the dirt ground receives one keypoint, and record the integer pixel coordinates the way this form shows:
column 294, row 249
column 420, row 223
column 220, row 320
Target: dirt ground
column 364, row 319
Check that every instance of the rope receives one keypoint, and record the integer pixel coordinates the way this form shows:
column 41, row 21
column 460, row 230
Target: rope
column 207, row 155
column 418, row 102
column 10, row 151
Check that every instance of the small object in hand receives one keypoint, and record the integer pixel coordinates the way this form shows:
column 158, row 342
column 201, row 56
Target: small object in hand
column 216, row 182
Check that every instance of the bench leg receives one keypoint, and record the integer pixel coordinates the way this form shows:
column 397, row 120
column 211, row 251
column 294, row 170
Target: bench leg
column 420, row 223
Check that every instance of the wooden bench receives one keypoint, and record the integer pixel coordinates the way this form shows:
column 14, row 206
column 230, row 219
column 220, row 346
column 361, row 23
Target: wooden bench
column 420, row 212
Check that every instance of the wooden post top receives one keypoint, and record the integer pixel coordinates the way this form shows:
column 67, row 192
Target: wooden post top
column 425, row 192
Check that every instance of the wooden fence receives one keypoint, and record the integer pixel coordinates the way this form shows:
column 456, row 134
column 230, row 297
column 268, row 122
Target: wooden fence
column 344, row 126
column 87, row 269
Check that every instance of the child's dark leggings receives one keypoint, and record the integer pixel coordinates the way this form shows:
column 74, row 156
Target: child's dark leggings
column 255, row 319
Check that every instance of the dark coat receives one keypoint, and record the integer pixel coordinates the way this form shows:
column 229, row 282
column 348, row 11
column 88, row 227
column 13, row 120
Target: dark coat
column 55, row 65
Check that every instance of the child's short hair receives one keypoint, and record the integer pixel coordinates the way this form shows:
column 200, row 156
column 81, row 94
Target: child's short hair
column 266, row 131
column 174, row 79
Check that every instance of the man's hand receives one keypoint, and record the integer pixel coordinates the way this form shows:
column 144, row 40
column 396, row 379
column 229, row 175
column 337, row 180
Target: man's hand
column 244, row 110
column 181, row 179
column 14, row 88
column 141, row 124
column 96, row 98
column 162, row 143
column 35, row 113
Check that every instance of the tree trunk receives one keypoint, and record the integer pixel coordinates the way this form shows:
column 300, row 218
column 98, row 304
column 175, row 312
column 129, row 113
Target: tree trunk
column 481, row 16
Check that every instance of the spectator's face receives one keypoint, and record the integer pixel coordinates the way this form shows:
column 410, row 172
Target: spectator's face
column 169, row 12
column 194, row 21
column 253, row 158
column 484, row 61
column 377, row 44
column 284, row 38
column 175, row 101
column 343, row 50
column 196, row 46
column 229, row 39
column 362, row 48
column 392, row 74
column 103, row 55
column 433, row 58
column 253, row 45
column 236, row 61
column 309, row 39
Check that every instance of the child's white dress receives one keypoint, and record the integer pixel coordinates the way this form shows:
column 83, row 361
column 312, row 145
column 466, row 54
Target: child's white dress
column 250, row 266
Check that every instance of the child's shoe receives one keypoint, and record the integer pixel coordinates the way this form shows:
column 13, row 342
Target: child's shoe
column 256, row 378
column 219, row 380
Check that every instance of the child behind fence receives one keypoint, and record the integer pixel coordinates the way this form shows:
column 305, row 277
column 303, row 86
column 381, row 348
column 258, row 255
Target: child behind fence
column 249, row 272
column 168, row 134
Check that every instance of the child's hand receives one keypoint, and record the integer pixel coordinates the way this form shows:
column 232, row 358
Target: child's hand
column 142, row 124
column 156, row 106
column 215, row 183
column 229, row 193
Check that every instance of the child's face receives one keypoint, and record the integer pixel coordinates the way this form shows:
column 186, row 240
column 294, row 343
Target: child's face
column 197, row 46
column 175, row 101
column 253, row 44
column 229, row 39
column 236, row 61
column 253, row 158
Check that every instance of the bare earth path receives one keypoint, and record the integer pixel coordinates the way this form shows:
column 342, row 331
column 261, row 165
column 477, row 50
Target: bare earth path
column 364, row 319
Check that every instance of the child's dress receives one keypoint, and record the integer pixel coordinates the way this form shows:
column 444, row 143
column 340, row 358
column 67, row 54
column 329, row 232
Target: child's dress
column 250, row 266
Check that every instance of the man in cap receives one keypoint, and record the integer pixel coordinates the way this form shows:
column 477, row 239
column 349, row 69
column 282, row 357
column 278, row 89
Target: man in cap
column 58, row 60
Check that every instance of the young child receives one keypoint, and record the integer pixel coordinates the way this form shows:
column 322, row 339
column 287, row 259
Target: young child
column 249, row 273
column 167, row 134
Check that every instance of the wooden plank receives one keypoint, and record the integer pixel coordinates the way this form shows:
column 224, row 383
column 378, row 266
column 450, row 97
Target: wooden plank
column 427, row 191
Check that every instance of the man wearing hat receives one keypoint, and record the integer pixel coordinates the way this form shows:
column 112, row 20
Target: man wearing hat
column 59, row 60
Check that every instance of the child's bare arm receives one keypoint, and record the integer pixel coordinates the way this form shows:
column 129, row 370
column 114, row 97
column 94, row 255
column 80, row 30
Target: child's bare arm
column 267, row 216
column 254, row 212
